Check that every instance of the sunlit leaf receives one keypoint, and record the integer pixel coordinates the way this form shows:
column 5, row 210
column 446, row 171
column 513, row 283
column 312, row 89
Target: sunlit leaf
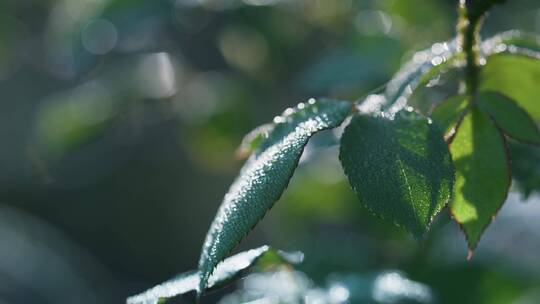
column 510, row 117
column 228, row 270
column 448, row 113
column 400, row 169
column 482, row 174
column 516, row 77
column 265, row 176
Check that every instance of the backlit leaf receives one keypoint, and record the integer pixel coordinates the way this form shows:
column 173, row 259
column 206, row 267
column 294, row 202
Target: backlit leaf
column 400, row 169
column 510, row 117
column 516, row 77
column 482, row 174
column 265, row 176
column 448, row 113
column 225, row 272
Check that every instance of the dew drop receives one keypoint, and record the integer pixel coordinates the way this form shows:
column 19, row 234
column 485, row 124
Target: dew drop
column 288, row 111
column 436, row 61
column 279, row 119
column 438, row 48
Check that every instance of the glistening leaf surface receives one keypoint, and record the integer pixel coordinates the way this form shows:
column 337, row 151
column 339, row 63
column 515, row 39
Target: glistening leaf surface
column 400, row 169
column 265, row 176
column 225, row 272
column 510, row 117
column 516, row 77
column 482, row 174
column 448, row 113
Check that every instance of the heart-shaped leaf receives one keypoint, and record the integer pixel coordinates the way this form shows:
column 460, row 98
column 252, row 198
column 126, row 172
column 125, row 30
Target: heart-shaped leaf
column 448, row 113
column 510, row 117
column 225, row 272
column 265, row 176
column 400, row 169
column 482, row 174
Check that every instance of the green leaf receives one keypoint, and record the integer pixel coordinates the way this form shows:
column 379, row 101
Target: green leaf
column 482, row 174
column 227, row 271
column 510, row 117
column 525, row 167
column 516, row 77
column 448, row 114
column 400, row 169
column 253, row 139
column 265, row 176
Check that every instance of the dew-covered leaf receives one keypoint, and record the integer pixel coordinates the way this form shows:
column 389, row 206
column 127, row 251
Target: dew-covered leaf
column 482, row 174
column 512, row 42
column 252, row 140
column 510, row 117
column 400, row 169
column 226, row 271
column 516, row 77
column 265, row 176
column 422, row 66
column 447, row 114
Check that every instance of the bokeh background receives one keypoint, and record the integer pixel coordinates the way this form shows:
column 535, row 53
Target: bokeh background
column 119, row 121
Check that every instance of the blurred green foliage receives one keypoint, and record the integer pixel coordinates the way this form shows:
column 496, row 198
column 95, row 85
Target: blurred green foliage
column 119, row 120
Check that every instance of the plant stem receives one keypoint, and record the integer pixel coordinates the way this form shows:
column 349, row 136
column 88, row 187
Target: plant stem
column 471, row 16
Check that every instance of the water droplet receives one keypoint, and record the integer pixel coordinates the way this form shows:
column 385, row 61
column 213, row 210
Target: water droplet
column 420, row 57
column 436, row 61
column 288, row 111
column 438, row 48
column 279, row 119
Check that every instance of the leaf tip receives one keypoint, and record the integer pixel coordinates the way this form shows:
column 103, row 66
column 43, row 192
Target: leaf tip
column 470, row 254
column 202, row 285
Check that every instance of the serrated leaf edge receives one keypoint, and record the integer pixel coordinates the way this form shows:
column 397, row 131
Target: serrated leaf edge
column 529, row 118
column 204, row 282
column 471, row 248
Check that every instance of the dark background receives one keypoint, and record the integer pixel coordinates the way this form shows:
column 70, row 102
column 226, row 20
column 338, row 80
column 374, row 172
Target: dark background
column 119, row 120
